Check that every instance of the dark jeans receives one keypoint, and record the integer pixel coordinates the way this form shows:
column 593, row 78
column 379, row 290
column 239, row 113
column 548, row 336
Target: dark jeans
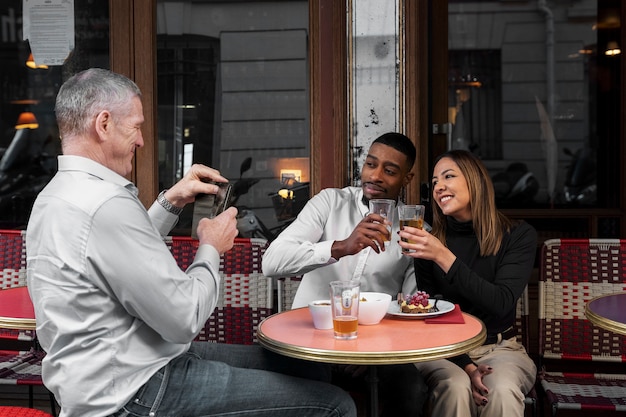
column 238, row 380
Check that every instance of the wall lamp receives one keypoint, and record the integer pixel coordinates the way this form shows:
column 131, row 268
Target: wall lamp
column 27, row 120
column 612, row 49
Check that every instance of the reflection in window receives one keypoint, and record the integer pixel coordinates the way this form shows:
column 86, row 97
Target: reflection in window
column 29, row 138
column 534, row 93
column 475, row 94
column 187, row 82
column 233, row 94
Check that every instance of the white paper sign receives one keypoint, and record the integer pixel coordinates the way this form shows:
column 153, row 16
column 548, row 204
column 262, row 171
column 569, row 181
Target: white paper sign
column 48, row 25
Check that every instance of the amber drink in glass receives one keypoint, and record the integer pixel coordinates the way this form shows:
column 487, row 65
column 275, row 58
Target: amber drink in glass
column 410, row 215
column 344, row 297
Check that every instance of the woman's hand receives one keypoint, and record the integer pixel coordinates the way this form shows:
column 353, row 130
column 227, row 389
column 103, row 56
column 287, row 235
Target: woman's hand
column 423, row 245
column 479, row 390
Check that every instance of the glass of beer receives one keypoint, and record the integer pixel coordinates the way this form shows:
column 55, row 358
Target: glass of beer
column 410, row 215
column 384, row 208
column 344, row 297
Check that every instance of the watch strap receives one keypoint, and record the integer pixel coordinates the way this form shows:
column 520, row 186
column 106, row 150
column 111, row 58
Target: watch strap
column 167, row 205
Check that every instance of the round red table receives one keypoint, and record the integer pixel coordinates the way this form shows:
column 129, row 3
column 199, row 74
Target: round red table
column 392, row 341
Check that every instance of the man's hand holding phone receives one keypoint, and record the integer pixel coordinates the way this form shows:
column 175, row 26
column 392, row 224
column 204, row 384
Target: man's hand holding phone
column 219, row 232
column 211, row 205
column 199, row 179
column 216, row 220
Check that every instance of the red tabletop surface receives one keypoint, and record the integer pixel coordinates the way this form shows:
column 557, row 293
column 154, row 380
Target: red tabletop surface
column 393, row 340
column 16, row 309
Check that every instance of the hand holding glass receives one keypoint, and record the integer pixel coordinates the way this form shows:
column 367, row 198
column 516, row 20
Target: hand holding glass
column 344, row 297
column 412, row 216
column 384, row 208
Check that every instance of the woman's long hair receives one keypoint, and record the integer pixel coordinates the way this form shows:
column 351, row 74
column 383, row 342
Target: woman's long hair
column 489, row 223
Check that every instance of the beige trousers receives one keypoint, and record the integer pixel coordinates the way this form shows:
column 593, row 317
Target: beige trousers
column 513, row 376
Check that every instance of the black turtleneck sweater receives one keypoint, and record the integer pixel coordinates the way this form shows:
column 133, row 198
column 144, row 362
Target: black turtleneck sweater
column 487, row 287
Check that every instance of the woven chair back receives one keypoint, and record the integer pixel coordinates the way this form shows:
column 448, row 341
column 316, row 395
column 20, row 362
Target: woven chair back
column 245, row 295
column 572, row 272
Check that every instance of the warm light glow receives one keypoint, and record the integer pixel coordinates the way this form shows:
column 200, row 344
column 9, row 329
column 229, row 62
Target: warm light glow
column 25, row 102
column 288, row 176
column 286, row 194
column 289, row 169
column 612, row 49
column 30, row 63
column 27, row 120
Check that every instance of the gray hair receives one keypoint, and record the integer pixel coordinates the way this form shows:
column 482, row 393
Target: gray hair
column 83, row 96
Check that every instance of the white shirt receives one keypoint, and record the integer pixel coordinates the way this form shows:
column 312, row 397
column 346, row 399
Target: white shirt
column 305, row 248
column 111, row 304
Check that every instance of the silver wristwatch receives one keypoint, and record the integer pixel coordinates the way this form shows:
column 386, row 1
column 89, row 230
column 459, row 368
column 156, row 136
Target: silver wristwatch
column 164, row 202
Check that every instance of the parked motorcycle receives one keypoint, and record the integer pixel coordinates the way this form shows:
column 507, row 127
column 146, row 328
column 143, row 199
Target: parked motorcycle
column 248, row 223
column 581, row 178
column 516, row 186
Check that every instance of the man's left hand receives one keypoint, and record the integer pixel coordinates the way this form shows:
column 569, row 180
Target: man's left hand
column 194, row 183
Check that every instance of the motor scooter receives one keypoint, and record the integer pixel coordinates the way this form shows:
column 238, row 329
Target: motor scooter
column 581, row 177
column 516, row 186
column 248, row 223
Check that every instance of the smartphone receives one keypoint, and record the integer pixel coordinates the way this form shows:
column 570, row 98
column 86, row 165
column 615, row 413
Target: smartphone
column 211, row 205
column 222, row 198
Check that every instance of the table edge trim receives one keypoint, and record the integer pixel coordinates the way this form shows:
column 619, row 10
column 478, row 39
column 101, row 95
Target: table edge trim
column 369, row 358
column 17, row 323
column 603, row 322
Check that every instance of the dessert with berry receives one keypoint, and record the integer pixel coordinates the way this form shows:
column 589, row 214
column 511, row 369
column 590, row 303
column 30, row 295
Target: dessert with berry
column 417, row 303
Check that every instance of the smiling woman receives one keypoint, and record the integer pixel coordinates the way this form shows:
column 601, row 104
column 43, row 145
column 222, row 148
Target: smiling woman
column 451, row 191
column 479, row 259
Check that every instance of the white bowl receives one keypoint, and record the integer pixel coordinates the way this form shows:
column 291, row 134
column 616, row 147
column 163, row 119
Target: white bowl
column 372, row 307
column 321, row 313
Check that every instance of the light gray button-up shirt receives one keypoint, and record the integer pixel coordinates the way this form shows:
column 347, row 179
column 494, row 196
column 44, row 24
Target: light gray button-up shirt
column 112, row 306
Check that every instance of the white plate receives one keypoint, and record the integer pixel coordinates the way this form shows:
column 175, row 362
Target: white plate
column 443, row 306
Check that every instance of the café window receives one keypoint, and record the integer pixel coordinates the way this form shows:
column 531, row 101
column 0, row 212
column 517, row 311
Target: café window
column 233, row 94
column 535, row 92
column 29, row 138
column 474, row 97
